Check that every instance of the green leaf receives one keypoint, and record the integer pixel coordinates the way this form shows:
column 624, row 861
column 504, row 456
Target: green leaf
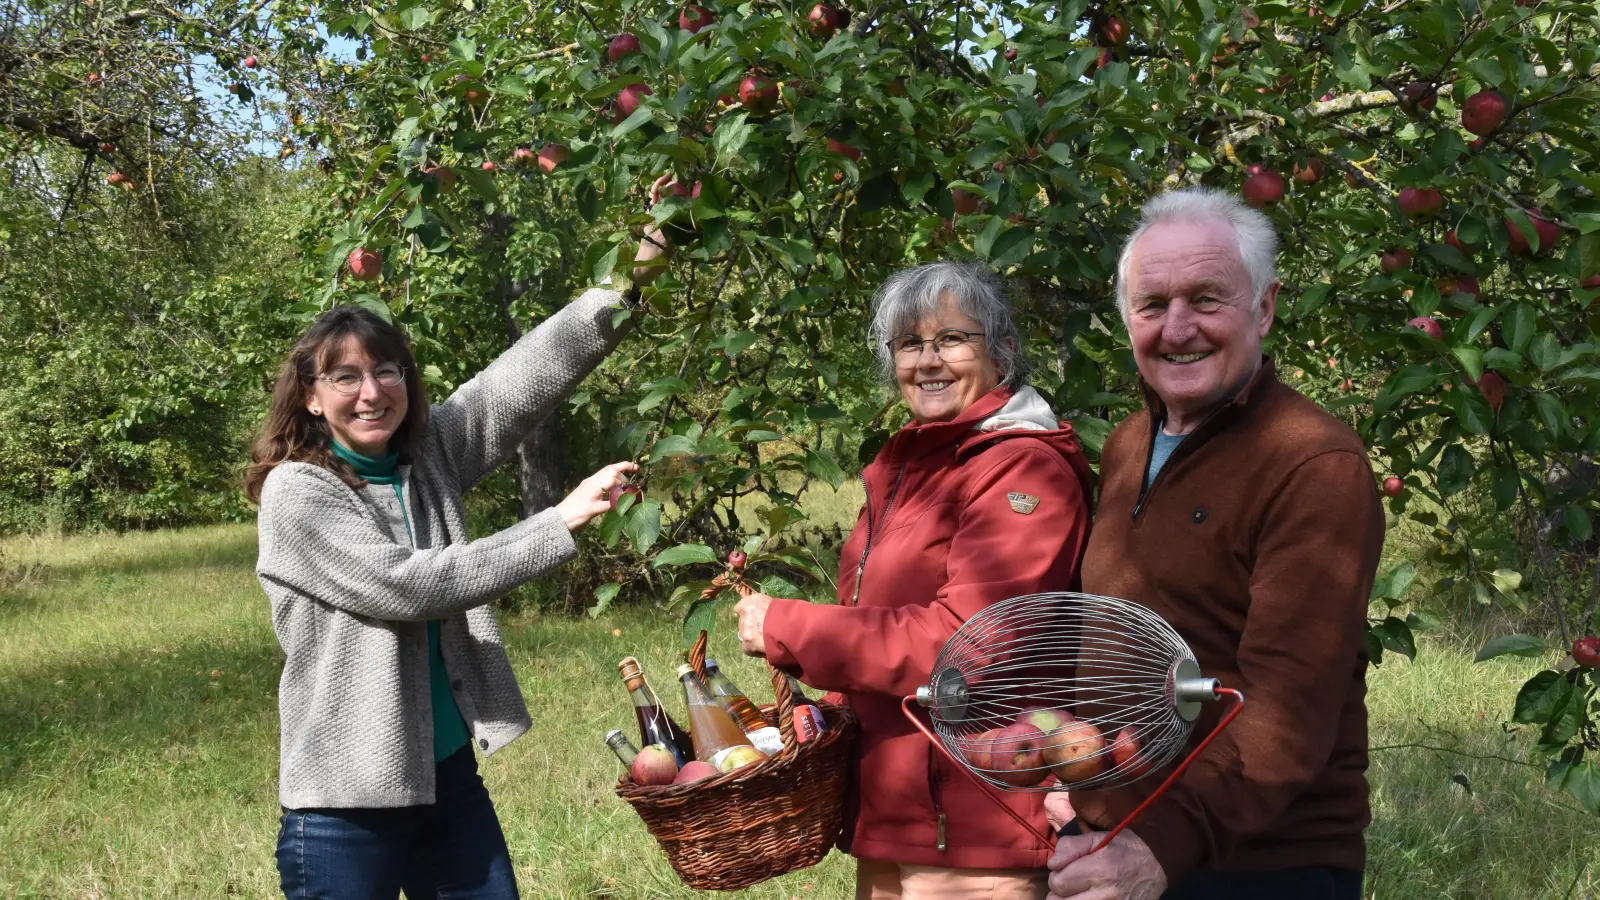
column 673, row 445
column 464, row 49
column 1400, row 580
column 824, row 467
column 1472, row 411
column 659, row 391
column 1471, row 361
column 1541, row 697
column 1578, row 524
column 1395, row 635
column 627, row 126
column 1092, row 432
column 1503, row 486
column 1518, row 327
column 684, row 555
column 1455, row 470
column 702, row 616
column 1506, row 581
column 1511, row 645
column 603, row 595
column 644, row 525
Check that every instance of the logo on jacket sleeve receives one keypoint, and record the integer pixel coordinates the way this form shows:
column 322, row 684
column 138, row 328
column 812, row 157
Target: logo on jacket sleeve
column 1022, row 503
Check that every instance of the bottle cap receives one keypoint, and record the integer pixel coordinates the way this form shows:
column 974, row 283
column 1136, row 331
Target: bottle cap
column 629, row 668
column 685, row 668
column 711, row 665
column 614, row 735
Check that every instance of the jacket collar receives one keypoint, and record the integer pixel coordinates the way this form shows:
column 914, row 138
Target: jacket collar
column 920, row 440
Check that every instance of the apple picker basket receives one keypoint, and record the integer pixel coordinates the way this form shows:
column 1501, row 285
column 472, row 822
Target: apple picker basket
column 762, row 820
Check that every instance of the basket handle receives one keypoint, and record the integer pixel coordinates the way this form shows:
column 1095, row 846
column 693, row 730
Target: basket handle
column 780, row 680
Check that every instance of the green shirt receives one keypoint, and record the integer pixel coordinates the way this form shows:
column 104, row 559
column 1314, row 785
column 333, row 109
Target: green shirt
column 449, row 730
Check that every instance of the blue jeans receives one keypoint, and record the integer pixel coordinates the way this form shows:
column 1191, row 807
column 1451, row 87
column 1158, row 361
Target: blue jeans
column 452, row 850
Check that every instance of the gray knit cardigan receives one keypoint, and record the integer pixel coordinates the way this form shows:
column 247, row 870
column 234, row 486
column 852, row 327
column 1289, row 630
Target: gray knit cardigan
column 351, row 600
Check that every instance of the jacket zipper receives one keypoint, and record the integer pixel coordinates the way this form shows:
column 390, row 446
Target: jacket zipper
column 1192, row 440
column 888, row 507
column 938, row 801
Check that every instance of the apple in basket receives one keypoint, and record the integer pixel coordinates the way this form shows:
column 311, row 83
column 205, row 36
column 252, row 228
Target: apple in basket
column 739, row 757
column 694, row 770
column 1125, row 756
column 654, row 765
column 1073, row 753
column 1010, row 755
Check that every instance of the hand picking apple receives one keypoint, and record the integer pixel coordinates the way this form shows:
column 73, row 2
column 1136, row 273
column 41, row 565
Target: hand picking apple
column 592, row 496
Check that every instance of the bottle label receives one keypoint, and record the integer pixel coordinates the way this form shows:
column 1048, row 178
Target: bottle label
column 808, row 723
column 768, row 739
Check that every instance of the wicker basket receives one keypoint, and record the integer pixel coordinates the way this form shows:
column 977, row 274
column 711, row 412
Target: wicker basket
column 759, row 821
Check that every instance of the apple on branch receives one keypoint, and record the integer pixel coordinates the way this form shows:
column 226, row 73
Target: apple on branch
column 1262, row 186
column 621, row 46
column 365, row 265
column 1393, row 486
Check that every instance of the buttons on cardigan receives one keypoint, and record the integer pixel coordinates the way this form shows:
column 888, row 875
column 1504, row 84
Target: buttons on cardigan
column 455, row 685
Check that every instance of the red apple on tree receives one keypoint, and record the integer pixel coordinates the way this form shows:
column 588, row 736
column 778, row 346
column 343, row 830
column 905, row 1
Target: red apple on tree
column 694, row 18
column 1113, row 31
column 1493, row 389
column 249, row 62
column 1311, row 174
column 1011, row 54
column 1591, row 283
column 737, row 559
column 965, row 201
column 116, row 179
column 1420, row 94
column 1454, row 241
column 758, row 93
column 1420, row 203
column 487, row 166
column 521, row 156
column 1546, row 230
column 1427, row 326
column 427, row 57
column 108, row 148
column 1460, row 284
column 824, row 21
column 1263, row 187
column 621, row 46
column 628, row 101
column 552, row 155
column 1393, row 486
column 1394, row 260
column 1586, row 651
column 629, row 489
column 445, row 178
column 365, row 265
column 837, row 146
column 1483, row 112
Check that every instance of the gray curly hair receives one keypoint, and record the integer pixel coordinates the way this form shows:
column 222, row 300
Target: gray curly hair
column 911, row 295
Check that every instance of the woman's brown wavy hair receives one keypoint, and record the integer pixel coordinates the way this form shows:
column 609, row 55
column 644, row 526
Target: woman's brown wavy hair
column 292, row 434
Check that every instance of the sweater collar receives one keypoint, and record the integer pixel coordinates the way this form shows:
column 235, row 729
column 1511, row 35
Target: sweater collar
column 1241, row 399
column 379, row 470
column 923, row 439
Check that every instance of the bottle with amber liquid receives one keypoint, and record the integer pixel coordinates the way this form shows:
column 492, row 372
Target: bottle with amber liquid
column 718, row 739
column 755, row 726
column 808, row 719
column 655, row 726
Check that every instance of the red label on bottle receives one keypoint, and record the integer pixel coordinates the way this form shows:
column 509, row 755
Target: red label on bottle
column 808, row 723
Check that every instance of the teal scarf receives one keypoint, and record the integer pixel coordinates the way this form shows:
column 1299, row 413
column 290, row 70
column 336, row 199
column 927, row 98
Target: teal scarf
column 449, row 731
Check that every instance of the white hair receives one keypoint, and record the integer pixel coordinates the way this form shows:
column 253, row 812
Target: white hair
column 911, row 295
column 1252, row 230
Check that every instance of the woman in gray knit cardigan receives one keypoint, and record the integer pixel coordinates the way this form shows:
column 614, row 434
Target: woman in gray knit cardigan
column 394, row 666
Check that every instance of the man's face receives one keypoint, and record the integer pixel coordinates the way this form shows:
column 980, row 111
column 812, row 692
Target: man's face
column 1195, row 338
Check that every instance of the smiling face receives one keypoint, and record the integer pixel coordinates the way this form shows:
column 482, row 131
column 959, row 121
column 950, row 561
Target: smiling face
column 1195, row 339
column 364, row 420
column 938, row 386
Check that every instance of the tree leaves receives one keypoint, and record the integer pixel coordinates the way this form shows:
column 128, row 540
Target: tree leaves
column 1510, row 645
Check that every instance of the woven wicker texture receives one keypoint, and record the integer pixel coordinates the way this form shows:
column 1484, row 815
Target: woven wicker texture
column 762, row 820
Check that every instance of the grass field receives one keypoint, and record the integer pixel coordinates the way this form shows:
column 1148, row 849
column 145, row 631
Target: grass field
column 138, row 745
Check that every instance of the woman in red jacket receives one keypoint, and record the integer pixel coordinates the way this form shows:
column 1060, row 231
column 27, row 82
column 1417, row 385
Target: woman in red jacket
column 984, row 496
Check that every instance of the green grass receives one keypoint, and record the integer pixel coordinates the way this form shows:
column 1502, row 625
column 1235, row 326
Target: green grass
column 138, row 745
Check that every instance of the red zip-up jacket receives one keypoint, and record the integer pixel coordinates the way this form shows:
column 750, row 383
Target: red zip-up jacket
column 955, row 520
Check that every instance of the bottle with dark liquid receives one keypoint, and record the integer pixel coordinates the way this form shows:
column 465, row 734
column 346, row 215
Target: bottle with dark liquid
column 655, row 726
column 808, row 719
column 621, row 746
column 717, row 738
column 755, row 726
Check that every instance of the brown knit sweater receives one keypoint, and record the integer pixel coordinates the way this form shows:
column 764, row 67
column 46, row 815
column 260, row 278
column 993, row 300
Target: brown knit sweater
column 1258, row 541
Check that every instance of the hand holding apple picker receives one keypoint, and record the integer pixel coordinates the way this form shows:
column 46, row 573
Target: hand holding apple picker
column 1096, row 691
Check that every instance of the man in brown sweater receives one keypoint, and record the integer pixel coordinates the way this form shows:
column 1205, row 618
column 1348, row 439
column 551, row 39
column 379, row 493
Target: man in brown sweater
column 1248, row 518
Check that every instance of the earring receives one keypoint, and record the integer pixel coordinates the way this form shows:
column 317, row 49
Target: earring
column 315, row 411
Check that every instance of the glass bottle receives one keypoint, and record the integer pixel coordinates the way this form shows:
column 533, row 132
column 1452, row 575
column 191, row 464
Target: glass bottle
column 655, row 726
column 621, row 746
column 716, row 734
column 755, row 726
column 809, row 722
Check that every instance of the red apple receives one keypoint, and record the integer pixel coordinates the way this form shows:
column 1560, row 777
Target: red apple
column 1394, row 260
column 1420, row 203
column 965, row 201
column 1460, row 284
column 427, row 57
column 108, row 148
column 1393, row 486
column 694, row 18
column 116, row 178
column 1586, row 651
column 758, row 93
column 1483, row 112
column 694, row 770
column 843, row 149
column 487, row 166
column 552, row 155
column 1427, row 326
column 617, row 492
column 1591, row 283
column 249, row 62
column 629, row 99
column 1546, row 230
column 1010, row 755
column 621, row 46
column 1326, row 98
column 737, row 559
column 654, row 765
column 679, row 189
column 824, row 21
column 1263, row 187
column 1073, row 753
column 1011, row 54
column 521, row 156
column 446, row 178
column 1311, row 174
column 365, row 265
column 94, row 77
column 1420, row 94
column 1125, row 757
column 1113, row 31
column 1493, row 389
column 1451, row 239
column 1104, row 59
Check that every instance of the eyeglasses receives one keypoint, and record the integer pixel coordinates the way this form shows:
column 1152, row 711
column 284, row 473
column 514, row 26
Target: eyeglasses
column 949, row 345
column 349, row 381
